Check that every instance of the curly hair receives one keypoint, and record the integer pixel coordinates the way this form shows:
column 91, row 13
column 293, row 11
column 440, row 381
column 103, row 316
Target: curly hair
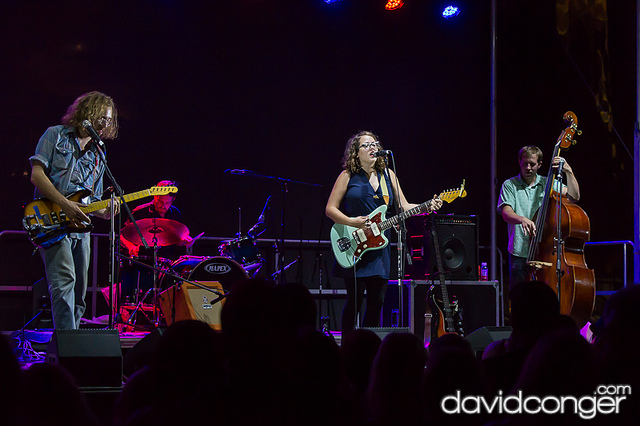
column 90, row 106
column 350, row 160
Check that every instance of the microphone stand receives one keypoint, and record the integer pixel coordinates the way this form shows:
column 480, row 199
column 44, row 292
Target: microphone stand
column 559, row 239
column 113, row 292
column 285, row 189
column 401, row 230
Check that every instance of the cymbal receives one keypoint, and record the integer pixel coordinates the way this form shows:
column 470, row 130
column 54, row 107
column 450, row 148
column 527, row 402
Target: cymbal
column 167, row 231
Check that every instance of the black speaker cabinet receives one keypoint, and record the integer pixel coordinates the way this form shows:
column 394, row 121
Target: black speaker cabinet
column 93, row 357
column 479, row 301
column 458, row 240
column 482, row 337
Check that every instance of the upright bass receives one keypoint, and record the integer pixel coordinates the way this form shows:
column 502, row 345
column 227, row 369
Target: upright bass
column 556, row 251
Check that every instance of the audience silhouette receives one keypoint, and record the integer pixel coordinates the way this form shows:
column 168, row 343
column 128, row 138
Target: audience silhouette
column 271, row 366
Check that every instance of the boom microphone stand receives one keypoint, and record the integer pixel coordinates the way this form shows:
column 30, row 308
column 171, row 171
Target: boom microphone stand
column 113, row 292
column 285, row 189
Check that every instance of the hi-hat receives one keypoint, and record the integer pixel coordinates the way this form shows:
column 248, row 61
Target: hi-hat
column 167, row 232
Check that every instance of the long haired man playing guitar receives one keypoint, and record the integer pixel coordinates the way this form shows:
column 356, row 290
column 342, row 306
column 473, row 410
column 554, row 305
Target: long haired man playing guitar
column 363, row 186
column 66, row 161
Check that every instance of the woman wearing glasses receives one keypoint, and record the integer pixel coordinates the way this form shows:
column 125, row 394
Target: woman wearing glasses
column 364, row 185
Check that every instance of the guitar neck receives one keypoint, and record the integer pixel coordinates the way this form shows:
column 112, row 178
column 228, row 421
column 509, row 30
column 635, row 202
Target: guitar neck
column 98, row 205
column 448, row 312
column 404, row 215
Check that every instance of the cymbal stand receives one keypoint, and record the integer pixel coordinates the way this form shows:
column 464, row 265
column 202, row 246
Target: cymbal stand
column 156, row 293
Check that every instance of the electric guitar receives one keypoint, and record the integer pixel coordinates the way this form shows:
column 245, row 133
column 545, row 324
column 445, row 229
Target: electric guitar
column 349, row 243
column 447, row 316
column 46, row 223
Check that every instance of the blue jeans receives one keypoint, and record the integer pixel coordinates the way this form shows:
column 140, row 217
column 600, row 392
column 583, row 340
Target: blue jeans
column 518, row 270
column 67, row 267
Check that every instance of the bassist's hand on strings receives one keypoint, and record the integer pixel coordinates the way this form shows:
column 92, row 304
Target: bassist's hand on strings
column 528, row 226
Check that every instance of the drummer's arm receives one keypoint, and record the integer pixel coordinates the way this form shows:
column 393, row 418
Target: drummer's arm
column 131, row 248
column 186, row 241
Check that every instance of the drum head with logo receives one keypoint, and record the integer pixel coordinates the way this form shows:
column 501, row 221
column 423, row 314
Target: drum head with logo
column 195, row 268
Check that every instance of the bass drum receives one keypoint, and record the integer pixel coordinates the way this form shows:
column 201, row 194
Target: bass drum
column 201, row 268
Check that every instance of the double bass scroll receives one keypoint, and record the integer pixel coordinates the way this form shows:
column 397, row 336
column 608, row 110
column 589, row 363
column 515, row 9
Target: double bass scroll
column 556, row 252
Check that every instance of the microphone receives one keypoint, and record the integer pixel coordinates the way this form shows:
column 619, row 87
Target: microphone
column 261, row 218
column 382, row 153
column 239, row 172
column 92, row 132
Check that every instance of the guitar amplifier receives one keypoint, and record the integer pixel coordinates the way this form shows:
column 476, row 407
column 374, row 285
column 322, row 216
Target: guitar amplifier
column 479, row 301
column 458, row 239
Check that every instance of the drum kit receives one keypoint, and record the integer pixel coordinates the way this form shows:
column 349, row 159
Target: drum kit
column 145, row 280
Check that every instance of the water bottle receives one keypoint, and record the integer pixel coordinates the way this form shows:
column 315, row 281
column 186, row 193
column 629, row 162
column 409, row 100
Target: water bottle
column 484, row 272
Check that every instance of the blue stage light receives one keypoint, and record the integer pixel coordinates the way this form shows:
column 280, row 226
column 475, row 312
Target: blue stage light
column 450, row 12
column 330, row 1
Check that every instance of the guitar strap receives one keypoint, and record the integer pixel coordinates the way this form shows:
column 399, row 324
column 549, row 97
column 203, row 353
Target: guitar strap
column 383, row 187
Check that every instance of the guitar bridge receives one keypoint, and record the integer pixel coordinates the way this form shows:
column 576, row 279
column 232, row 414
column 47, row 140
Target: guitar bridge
column 344, row 244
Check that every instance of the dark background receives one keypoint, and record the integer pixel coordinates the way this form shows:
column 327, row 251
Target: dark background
column 278, row 86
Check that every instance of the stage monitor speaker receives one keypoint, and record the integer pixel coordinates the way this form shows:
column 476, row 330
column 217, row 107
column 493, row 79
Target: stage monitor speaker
column 192, row 303
column 383, row 332
column 482, row 337
column 458, row 239
column 140, row 355
column 92, row 357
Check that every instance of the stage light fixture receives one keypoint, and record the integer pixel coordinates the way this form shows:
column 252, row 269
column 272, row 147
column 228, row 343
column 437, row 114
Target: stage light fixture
column 450, row 11
column 394, row 4
column 330, row 1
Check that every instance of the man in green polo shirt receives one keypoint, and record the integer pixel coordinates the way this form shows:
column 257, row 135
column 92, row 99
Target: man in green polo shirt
column 520, row 198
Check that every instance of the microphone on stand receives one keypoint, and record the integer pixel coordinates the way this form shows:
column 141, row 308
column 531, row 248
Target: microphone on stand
column 92, row 132
column 239, row 172
column 382, row 153
column 264, row 209
column 259, row 227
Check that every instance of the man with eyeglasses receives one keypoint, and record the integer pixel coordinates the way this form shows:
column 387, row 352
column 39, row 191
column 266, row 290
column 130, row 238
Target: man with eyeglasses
column 65, row 162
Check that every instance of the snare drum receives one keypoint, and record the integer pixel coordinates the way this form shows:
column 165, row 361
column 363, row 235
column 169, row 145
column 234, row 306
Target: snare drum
column 243, row 250
column 203, row 268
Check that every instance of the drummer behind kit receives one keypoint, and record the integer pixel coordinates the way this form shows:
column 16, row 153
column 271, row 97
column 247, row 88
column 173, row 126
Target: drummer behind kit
column 193, row 287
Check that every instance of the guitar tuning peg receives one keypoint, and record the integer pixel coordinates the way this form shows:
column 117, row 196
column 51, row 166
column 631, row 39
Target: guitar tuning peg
column 573, row 142
column 579, row 132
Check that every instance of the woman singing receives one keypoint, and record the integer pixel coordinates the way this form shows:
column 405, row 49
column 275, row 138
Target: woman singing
column 363, row 186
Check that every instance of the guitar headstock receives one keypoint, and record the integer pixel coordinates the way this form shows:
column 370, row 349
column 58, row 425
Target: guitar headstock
column 451, row 194
column 162, row 190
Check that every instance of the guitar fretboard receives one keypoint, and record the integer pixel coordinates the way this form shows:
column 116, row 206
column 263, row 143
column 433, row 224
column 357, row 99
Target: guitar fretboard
column 384, row 225
column 98, row 205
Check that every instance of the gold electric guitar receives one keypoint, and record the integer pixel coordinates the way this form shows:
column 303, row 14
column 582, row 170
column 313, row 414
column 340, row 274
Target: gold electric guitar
column 46, row 223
